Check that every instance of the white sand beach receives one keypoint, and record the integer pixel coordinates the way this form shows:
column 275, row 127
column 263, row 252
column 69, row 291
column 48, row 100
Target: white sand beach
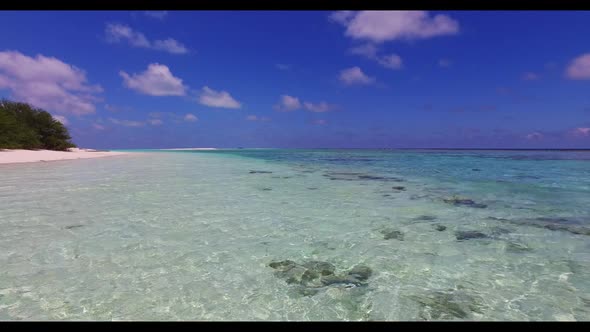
column 29, row 156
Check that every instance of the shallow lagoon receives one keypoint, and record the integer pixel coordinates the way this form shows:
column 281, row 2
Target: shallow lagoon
column 191, row 235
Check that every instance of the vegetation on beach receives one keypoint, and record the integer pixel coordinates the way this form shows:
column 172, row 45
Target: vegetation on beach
column 23, row 126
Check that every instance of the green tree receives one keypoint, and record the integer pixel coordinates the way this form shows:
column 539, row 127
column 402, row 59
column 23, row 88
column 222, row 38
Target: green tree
column 25, row 127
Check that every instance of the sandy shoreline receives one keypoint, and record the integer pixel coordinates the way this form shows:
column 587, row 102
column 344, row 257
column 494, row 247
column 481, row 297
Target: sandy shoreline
column 31, row 156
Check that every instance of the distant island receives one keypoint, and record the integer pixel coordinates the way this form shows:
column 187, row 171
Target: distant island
column 23, row 126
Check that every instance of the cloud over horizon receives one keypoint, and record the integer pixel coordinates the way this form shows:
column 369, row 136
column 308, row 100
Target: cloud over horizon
column 257, row 118
column 221, row 99
column 158, row 14
column 392, row 61
column 156, row 80
column 190, row 118
column 355, row 75
column 534, row 136
column 369, row 51
column 581, row 132
column 287, row 104
column 133, row 123
column 579, row 68
column 48, row 83
column 320, row 107
column 127, row 123
column 116, row 33
column 381, row 26
column 155, row 122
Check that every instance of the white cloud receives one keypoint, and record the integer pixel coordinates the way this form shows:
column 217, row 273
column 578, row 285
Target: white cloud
column 214, row 98
column 369, row 51
column 287, row 104
column 392, row 61
column 534, row 136
column 48, row 83
column 190, row 117
column 155, row 122
column 581, row 132
column 341, row 16
column 159, row 14
column 116, row 33
column 579, row 68
column 319, row 107
column 256, row 118
column 355, row 75
column 119, row 32
column 98, row 126
column 170, row 45
column 61, row 119
column 156, row 80
column 127, row 123
column 380, row 26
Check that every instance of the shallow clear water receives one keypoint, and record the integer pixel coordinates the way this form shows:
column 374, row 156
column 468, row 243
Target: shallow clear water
column 190, row 235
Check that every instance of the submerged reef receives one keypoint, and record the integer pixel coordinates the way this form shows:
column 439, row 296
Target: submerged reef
column 571, row 225
column 469, row 235
column 313, row 276
column 260, row 172
column 448, row 304
column 463, row 201
column 440, row 228
column 425, row 218
column 391, row 233
column 357, row 176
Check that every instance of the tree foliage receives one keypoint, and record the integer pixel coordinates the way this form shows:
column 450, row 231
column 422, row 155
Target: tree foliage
column 25, row 127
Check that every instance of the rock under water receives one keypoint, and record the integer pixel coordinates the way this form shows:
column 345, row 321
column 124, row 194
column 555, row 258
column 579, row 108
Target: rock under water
column 356, row 176
column 260, row 172
column 440, row 228
column 447, row 305
column 314, row 276
column 73, row 226
column 468, row 235
column 517, row 247
column 462, row 201
column 360, row 272
column 425, row 218
column 390, row 233
column 572, row 225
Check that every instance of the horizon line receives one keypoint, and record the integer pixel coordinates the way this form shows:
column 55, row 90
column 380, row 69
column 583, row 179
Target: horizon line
column 367, row 148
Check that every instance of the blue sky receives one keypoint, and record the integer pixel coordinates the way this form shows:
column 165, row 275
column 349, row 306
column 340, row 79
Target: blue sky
column 304, row 79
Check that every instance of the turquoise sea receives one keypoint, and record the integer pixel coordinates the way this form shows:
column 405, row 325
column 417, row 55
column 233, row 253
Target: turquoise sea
column 271, row 234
